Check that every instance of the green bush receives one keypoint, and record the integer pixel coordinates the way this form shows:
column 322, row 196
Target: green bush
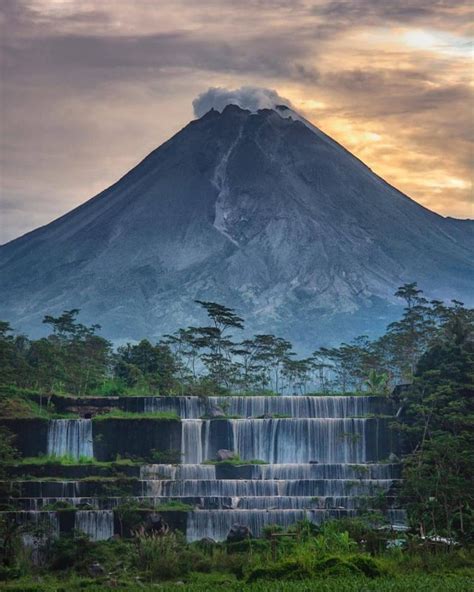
column 288, row 569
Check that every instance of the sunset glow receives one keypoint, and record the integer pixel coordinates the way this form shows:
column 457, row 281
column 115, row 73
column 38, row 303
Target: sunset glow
column 89, row 88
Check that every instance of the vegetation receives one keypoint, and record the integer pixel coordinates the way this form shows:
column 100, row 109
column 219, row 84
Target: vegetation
column 119, row 414
column 341, row 555
column 439, row 427
column 210, row 360
column 430, row 351
column 236, row 461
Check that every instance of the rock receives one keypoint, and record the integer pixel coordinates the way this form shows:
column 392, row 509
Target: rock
column 155, row 523
column 95, row 570
column 224, row 454
column 238, row 533
column 207, row 542
column 215, row 411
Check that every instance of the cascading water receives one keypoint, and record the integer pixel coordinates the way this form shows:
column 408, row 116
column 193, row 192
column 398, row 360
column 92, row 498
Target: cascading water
column 320, row 462
column 97, row 524
column 293, row 440
column 268, row 487
column 246, row 407
column 71, row 437
column 216, row 524
column 300, row 440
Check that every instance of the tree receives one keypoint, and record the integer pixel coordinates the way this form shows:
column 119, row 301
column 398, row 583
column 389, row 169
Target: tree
column 153, row 365
column 439, row 426
column 13, row 366
column 409, row 337
column 75, row 358
column 216, row 344
column 377, row 384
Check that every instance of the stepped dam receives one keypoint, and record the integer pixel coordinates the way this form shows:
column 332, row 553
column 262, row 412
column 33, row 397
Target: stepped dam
column 295, row 458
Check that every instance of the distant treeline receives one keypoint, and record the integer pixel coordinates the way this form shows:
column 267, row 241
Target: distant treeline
column 75, row 359
column 431, row 347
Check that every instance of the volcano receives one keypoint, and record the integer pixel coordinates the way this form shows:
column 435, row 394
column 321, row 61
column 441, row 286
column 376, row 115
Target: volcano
column 260, row 211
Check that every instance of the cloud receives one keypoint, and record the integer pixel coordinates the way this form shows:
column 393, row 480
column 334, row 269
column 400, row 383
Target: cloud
column 246, row 97
column 89, row 88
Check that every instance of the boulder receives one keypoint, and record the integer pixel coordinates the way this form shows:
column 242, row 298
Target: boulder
column 224, row 454
column 215, row 411
column 95, row 570
column 155, row 523
column 238, row 533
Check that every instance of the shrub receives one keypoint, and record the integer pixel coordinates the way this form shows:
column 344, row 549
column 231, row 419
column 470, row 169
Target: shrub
column 288, row 569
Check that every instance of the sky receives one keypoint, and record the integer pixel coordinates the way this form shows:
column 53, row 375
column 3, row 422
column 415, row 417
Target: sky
column 90, row 87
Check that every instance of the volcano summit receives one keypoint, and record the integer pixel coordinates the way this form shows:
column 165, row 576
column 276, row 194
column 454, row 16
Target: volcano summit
column 260, row 211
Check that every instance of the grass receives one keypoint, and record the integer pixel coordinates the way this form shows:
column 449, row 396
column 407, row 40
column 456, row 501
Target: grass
column 174, row 506
column 236, row 461
column 20, row 405
column 119, row 414
column 51, row 459
column 414, row 582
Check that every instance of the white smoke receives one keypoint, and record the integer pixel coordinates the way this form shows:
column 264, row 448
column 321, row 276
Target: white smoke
column 246, row 97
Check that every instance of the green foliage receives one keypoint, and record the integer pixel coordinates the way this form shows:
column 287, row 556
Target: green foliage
column 166, row 556
column 207, row 360
column 120, row 414
column 53, row 459
column 439, row 425
column 236, row 461
column 377, row 384
column 72, row 359
column 147, row 366
column 287, row 569
column 165, row 457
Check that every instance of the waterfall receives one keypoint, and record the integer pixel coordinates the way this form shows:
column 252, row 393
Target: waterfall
column 325, row 471
column 49, row 520
column 191, row 441
column 292, row 406
column 295, row 406
column 322, row 459
column 263, row 487
column 71, row 437
column 97, row 524
column 282, row 441
column 300, row 440
column 184, row 471
column 215, row 524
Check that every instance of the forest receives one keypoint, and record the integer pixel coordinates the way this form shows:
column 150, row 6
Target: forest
column 423, row 364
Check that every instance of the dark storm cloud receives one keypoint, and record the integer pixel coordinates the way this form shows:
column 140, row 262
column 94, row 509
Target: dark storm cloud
column 446, row 13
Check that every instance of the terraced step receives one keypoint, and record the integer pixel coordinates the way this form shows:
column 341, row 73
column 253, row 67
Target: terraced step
column 198, row 524
column 201, row 487
column 201, row 503
column 271, row 471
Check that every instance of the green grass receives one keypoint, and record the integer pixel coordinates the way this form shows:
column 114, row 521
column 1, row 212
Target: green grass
column 51, row 459
column 402, row 583
column 19, row 404
column 236, row 461
column 174, row 506
column 119, row 414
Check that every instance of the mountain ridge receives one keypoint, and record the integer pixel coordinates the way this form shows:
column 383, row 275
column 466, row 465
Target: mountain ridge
column 292, row 229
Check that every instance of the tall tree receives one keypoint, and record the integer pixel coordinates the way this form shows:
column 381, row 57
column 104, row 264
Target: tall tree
column 439, row 425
